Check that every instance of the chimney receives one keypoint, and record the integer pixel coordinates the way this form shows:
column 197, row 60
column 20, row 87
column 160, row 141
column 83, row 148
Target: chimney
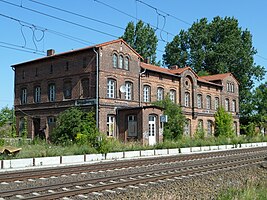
column 147, row 60
column 174, row 67
column 51, row 52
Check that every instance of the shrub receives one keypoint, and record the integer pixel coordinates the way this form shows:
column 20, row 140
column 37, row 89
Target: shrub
column 223, row 123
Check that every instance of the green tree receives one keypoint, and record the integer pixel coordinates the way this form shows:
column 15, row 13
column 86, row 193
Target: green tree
column 218, row 47
column 142, row 38
column 173, row 129
column 223, row 124
column 6, row 116
column 75, row 125
column 259, row 105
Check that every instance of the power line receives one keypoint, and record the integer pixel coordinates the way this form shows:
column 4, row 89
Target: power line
column 13, row 48
column 18, row 46
column 58, row 18
column 76, row 14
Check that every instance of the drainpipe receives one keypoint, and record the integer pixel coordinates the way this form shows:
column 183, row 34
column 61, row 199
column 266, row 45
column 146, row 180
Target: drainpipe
column 140, row 75
column 97, row 88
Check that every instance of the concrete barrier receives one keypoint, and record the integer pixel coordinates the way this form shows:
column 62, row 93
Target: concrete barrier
column 205, row 148
column 148, row 153
column 185, row 150
column 195, row 149
column 18, row 163
column 114, row 155
column 72, row 159
column 174, row 151
column 264, row 144
column 94, row 157
column 161, row 152
column 221, row 147
column 214, row 147
column 44, row 161
column 229, row 146
column 131, row 154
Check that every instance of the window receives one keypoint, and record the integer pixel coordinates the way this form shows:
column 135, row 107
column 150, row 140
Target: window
column 216, row 103
column 235, row 127
column 128, row 91
column 115, row 60
column 230, row 87
column 187, row 99
column 21, row 125
column 120, row 62
column 37, row 94
column 187, row 127
column 209, row 127
column 160, row 94
column 234, row 106
column 199, row 101
column 67, row 89
column 111, row 88
column 227, row 105
column 23, row 98
column 208, row 102
column 173, row 96
column 132, row 126
column 126, row 63
column 51, row 120
column 200, row 125
column 146, row 91
column 23, row 74
column 110, row 125
column 51, row 92
column 85, row 88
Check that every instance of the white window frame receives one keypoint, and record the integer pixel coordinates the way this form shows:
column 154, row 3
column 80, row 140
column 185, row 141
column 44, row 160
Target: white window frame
column 120, row 62
column 227, row 105
column 52, row 92
column 111, row 88
column 173, row 96
column 187, row 99
column 146, row 93
column 110, row 125
column 115, row 60
column 160, row 94
column 234, row 106
column 37, row 94
column 199, row 101
column 23, row 95
column 216, row 103
column 128, row 90
column 209, row 127
column 126, row 63
column 208, row 102
column 187, row 127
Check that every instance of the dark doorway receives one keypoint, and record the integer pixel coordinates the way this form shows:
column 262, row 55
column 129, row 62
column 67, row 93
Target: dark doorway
column 37, row 127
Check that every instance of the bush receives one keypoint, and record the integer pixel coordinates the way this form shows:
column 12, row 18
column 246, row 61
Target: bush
column 223, row 124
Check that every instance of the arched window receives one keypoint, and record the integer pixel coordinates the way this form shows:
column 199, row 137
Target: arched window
column 199, row 101
column 208, row 102
column 234, row 106
column 115, row 60
column 216, row 103
column 52, row 92
column 126, row 63
column 173, row 96
column 200, row 125
column 120, row 62
column 235, row 127
column 128, row 90
column 227, row 105
column 187, row 99
column 37, row 94
column 160, row 94
column 187, row 127
column 67, row 89
column 111, row 88
column 146, row 93
column 209, row 127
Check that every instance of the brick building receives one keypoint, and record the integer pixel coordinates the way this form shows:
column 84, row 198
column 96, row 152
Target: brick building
column 111, row 79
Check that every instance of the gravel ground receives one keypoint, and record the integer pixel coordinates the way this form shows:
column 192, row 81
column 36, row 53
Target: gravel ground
column 198, row 187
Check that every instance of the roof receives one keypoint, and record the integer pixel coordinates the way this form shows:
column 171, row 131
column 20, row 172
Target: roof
column 218, row 77
column 157, row 68
column 78, row 50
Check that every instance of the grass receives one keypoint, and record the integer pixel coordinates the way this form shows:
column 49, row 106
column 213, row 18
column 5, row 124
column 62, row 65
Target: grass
column 250, row 192
column 39, row 148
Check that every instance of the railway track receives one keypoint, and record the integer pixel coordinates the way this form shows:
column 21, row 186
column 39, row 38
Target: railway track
column 110, row 183
column 109, row 165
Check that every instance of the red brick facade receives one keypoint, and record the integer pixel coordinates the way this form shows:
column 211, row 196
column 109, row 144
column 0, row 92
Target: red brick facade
column 126, row 87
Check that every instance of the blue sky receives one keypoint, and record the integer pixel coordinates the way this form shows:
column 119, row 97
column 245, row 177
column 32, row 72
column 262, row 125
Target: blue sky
column 44, row 31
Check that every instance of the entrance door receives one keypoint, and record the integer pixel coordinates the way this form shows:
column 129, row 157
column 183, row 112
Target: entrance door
column 152, row 130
